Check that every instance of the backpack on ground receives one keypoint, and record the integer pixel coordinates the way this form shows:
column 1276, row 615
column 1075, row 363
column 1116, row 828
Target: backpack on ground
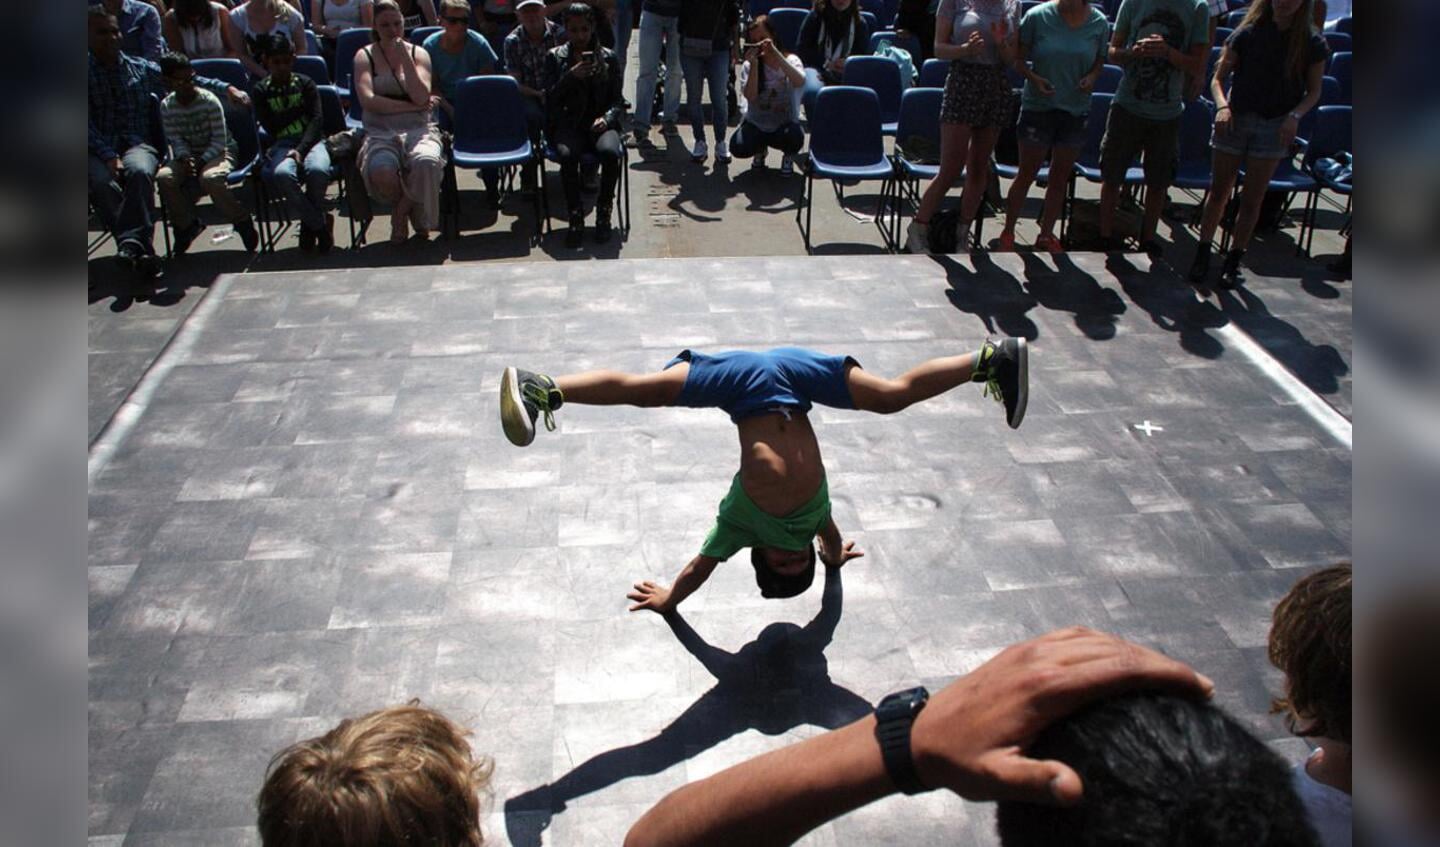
column 943, row 235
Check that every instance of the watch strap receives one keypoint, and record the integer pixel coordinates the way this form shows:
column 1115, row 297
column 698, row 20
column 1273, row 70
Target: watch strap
column 892, row 730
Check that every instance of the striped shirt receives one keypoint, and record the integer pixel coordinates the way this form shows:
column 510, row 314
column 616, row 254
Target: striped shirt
column 196, row 129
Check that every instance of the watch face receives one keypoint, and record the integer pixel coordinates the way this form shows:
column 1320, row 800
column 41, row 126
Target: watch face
column 902, row 703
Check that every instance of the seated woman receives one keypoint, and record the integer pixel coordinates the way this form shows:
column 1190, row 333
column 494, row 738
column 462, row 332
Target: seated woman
column 769, row 80
column 584, row 106
column 402, row 160
column 199, row 29
column 255, row 18
column 831, row 33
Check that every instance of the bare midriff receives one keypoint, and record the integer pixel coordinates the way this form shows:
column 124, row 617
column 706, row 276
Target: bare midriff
column 780, row 464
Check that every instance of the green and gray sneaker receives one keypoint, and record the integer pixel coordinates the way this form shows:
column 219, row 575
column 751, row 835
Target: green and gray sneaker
column 523, row 397
column 1005, row 370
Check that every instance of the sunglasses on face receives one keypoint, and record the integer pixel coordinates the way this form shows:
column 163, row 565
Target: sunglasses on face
column 457, row 20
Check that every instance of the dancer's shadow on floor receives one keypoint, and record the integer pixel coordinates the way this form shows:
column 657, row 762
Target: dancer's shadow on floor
column 773, row 684
column 991, row 294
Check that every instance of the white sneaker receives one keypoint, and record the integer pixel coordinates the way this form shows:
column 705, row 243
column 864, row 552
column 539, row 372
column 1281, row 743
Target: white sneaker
column 722, row 151
column 917, row 238
column 760, row 164
column 700, row 150
column 787, row 165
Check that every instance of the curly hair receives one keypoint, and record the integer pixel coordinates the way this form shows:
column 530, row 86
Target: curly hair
column 1310, row 643
column 401, row 775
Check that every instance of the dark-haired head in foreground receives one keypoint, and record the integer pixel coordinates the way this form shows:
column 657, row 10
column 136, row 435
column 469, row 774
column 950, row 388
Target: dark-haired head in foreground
column 1164, row 771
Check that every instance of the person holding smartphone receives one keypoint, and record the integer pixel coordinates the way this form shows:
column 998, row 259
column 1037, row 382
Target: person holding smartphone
column 584, row 107
column 770, row 81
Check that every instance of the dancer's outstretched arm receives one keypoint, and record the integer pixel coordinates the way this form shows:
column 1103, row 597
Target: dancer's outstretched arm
column 657, row 598
column 833, row 552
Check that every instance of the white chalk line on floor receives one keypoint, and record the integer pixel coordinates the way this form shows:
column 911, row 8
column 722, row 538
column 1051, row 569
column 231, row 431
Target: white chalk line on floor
column 1335, row 424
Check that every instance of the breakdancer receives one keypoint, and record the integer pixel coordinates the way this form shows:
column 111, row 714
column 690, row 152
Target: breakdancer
column 778, row 502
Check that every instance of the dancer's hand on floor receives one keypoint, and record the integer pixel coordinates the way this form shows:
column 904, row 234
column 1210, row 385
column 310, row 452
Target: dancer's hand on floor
column 650, row 595
column 846, row 553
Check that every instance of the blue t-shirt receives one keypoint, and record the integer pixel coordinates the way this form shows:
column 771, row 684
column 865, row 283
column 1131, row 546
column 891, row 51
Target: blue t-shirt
column 1062, row 55
column 1154, row 88
column 451, row 69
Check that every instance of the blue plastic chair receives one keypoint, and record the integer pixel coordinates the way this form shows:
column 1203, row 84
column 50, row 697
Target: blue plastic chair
column 786, row 22
column 882, row 10
column 761, row 7
column 919, row 119
column 1329, row 96
column 312, row 42
column 909, row 43
column 1210, row 64
column 227, row 70
column 933, row 73
column 1345, row 25
column 1222, row 34
column 1233, row 19
column 313, row 67
column 1109, row 80
column 1339, row 42
column 1340, row 69
column 346, row 46
column 872, row 23
column 882, row 76
column 846, row 145
column 1332, row 136
column 420, row 33
column 491, row 132
column 1195, row 165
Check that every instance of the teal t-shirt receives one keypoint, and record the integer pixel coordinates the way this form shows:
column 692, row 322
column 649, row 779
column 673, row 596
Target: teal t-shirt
column 1062, row 55
column 740, row 523
column 451, row 69
column 1154, row 88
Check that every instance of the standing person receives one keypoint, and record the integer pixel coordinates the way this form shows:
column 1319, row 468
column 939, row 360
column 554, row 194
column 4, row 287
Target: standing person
column 1157, row 42
column 456, row 54
column 978, row 39
column 770, row 81
column 622, row 20
column 707, row 36
column 418, row 13
column 202, row 152
column 402, row 160
column 1278, row 60
column 329, row 18
column 254, row 18
column 584, row 106
column 659, row 22
column 1066, row 41
column 527, row 51
column 200, row 29
column 139, row 27
column 779, row 500
column 123, row 158
column 830, row 34
column 297, row 166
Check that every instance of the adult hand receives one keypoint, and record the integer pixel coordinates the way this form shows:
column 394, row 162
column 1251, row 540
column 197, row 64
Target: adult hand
column 1086, row 83
column 1223, row 120
column 1043, row 86
column 973, row 46
column 650, row 595
column 1287, row 131
column 772, row 51
column 599, row 126
column 1151, row 47
column 292, row 153
column 846, row 553
column 836, row 65
column 237, row 96
column 971, row 736
column 115, row 165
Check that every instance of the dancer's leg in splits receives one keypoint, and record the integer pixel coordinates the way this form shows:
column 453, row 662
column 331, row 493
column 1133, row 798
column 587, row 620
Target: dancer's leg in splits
column 778, row 501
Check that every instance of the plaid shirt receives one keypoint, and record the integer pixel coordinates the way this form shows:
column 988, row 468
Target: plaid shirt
column 525, row 60
column 121, row 114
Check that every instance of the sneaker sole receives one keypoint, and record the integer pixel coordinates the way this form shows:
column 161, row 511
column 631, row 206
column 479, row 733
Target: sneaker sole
column 513, row 418
column 1022, row 379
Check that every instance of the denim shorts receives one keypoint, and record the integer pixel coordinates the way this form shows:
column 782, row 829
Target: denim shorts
column 746, row 384
column 1052, row 128
column 1251, row 135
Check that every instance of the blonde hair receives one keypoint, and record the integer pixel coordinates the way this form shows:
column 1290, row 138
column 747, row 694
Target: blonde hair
column 401, row 775
column 1297, row 40
column 458, row 5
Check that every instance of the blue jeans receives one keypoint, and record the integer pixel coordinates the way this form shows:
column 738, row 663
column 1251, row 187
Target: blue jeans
column 282, row 174
column 652, row 29
column 624, row 23
column 750, row 140
column 715, row 68
column 123, row 202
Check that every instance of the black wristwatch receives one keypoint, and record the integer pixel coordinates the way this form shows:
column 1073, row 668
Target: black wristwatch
column 893, row 719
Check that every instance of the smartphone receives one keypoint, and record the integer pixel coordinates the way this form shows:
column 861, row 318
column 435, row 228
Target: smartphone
column 589, row 57
column 750, row 45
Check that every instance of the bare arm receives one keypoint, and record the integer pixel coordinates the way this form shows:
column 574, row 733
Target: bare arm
column 656, row 598
column 427, row 11
column 968, row 739
column 1223, row 69
column 227, row 34
column 834, row 552
column 365, row 90
column 417, row 75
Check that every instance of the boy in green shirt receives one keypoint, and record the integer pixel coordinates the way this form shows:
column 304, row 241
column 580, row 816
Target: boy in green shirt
column 778, row 501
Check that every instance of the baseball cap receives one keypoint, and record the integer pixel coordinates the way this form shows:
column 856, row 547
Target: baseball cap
column 524, row 3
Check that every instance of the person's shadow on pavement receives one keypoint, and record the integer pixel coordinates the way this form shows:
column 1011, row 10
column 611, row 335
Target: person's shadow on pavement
column 773, row 684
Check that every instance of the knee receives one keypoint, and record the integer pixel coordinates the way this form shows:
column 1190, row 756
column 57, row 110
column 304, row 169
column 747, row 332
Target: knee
column 213, row 182
column 384, row 183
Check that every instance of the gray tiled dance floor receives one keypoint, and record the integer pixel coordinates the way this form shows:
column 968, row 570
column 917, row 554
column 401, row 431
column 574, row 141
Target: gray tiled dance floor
column 318, row 516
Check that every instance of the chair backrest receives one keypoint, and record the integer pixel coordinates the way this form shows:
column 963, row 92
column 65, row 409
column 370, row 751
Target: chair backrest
column 1211, row 62
column 241, row 124
column 845, row 126
column 1095, row 130
column 332, row 113
column 871, row 22
column 1222, row 34
column 1112, row 8
column 1339, row 42
column 1233, row 19
column 1340, row 69
column 1027, row 5
column 908, row 42
column 313, row 67
column 881, row 9
column 786, row 22
column 420, row 33
column 933, row 73
column 1108, row 82
column 920, row 116
column 792, row 4
column 312, row 42
column 228, row 70
column 346, row 46
column 1329, row 96
column 1345, row 25
column 1331, row 134
column 489, row 115
column 881, row 75
column 1195, row 124
column 761, row 7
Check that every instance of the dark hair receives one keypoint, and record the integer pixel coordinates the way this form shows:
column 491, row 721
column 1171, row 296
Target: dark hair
column 273, row 44
column 576, row 10
column 1159, row 769
column 194, row 8
column 95, row 11
column 776, row 586
column 172, row 62
column 1310, row 644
